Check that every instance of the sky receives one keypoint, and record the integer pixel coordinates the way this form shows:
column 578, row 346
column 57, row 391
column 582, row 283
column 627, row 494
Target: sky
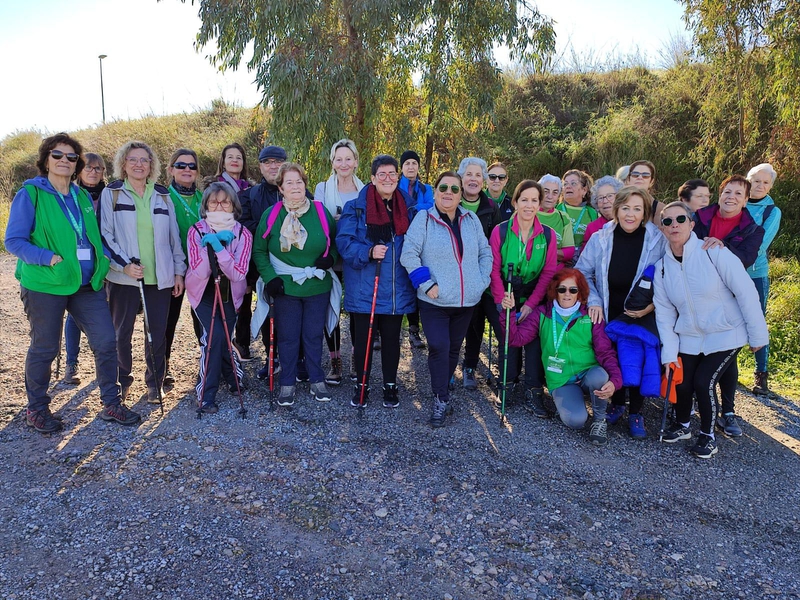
column 51, row 71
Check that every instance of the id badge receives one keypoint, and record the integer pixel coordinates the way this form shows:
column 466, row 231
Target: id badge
column 84, row 254
column 555, row 364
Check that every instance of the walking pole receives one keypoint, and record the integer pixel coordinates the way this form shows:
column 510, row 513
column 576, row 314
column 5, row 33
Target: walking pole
column 670, row 372
column 369, row 338
column 271, row 353
column 205, row 360
column 212, row 259
column 505, row 347
column 490, row 378
column 149, row 338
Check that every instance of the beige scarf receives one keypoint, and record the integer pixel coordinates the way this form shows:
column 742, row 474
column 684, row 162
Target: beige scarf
column 292, row 231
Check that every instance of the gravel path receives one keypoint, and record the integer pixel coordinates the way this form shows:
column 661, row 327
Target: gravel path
column 311, row 502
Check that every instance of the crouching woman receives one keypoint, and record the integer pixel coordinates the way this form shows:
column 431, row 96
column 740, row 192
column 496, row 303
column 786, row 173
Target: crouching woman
column 578, row 356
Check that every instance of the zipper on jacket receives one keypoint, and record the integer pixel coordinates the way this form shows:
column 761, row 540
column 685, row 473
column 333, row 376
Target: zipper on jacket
column 394, row 293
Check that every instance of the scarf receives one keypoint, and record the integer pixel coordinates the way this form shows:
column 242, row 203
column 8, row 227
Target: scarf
column 220, row 221
column 238, row 185
column 184, row 191
column 333, row 199
column 380, row 223
column 566, row 313
column 292, row 231
column 93, row 190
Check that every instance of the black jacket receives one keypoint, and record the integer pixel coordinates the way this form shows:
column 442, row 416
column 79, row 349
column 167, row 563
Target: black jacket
column 488, row 213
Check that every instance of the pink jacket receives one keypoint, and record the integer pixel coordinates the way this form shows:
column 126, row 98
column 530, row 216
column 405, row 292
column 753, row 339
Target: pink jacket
column 234, row 261
column 548, row 270
column 593, row 228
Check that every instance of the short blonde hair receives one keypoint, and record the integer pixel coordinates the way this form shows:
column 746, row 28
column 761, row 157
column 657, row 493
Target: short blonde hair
column 122, row 154
column 631, row 190
column 344, row 143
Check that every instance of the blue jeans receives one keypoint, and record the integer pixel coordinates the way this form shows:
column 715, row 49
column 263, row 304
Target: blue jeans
column 762, row 287
column 569, row 399
column 72, row 340
column 45, row 314
column 300, row 321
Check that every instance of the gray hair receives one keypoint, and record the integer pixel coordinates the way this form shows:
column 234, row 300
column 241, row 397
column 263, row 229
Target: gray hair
column 122, row 154
column 551, row 179
column 344, row 143
column 212, row 190
column 689, row 212
column 605, row 180
column 473, row 160
column 762, row 167
column 623, row 172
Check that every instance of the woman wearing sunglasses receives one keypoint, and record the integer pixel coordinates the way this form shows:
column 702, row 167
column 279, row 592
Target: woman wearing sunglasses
column 186, row 198
column 373, row 229
column 232, row 167
column 90, row 178
column 496, row 181
column 642, row 174
column 577, row 353
column 530, row 248
column 707, row 308
column 449, row 260
column 613, row 262
column 61, row 266
column 139, row 229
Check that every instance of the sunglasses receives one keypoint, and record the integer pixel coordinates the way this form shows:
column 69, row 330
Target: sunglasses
column 495, row 177
column 564, row 289
column 182, row 165
column 640, row 175
column 58, row 155
column 443, row 187
column 667, row 221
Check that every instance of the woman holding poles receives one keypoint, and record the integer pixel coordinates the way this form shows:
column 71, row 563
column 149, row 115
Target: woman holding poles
column 217, row 243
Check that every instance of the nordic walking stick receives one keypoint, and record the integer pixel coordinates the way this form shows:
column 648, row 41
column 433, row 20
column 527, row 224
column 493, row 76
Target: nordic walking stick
column 271, row 353
column 149, row 338
column 369, row 338
column 205, row 360
column 505, row 347
column 490, row 378
column 670, row 372
column 212, row 259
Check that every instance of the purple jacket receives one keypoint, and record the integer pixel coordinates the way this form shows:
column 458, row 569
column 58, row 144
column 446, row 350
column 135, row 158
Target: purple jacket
column 745, row 239
column 523, row 333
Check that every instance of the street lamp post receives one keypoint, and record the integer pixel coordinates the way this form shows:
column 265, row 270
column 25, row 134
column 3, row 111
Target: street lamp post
column 102, row 94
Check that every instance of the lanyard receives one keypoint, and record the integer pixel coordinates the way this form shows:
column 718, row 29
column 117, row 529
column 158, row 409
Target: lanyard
column 77, row 224
column 577, row 223
column 189, row 210
column 559, row 339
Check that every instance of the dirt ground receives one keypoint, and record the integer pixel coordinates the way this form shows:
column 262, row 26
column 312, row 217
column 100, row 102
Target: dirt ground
column 315, row 502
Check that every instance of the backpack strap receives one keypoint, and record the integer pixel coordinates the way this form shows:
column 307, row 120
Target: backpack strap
column 323, row 219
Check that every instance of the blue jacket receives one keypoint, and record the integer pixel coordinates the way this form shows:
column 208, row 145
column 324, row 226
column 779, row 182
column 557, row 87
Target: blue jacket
column 757, row 210
column 423, row 199
column 639, row 352
column 396, row 295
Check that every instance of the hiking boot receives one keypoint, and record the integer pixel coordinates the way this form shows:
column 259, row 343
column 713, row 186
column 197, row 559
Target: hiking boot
column 302, row 372
column 286, row 397
column 243, row 352
column 469, row 379
column 534, row 402
column 356, row 399
column 209, row 408
column 675, row 433
column 153, row 395
column 119, row 413
column 729, row 425
column 636, row 427
column 320, row 392
column 71, row 376
column 760, row 383
column 43, row 421
column 614, row 413
column 440, row 410
column 376, row 340
column 415, row 339
column 706, row 446
column 263, row 372
column 598, row 434
column 390, row 399
column 334, row 376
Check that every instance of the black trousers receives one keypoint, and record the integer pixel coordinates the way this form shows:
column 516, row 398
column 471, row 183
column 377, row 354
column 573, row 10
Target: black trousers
column 389, row 327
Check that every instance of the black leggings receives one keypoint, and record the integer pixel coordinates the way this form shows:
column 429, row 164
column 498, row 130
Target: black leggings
column 389, row 327
column 701, row 373
column 634, row 397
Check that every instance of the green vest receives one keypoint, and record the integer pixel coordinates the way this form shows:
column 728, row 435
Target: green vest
column 580, row 216
column 576, row 349
column 512, row 250
column 183, row 213
column 54, row 232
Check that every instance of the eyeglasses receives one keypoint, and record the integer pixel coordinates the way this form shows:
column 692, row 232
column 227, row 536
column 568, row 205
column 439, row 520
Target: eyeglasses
column 640, row 175
column 667, row 221
column 386, row 176
column 58, row 155
column 89, row 169
column 132, row 160
column 495, row 177
column 606, row 198
column 183, row 165
column 215, row 203
column 564, row 290
column 271, row 161
column 443, row 187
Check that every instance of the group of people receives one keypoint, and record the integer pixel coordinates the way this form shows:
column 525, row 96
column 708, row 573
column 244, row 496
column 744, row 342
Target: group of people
column 603, row 287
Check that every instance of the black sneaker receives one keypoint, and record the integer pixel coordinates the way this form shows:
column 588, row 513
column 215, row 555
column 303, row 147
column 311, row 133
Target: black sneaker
column 263, row 372
column 209, row 408
column 242, row 352
column 469, row 379
column 598, row 434
column 119, row 413
column 706, row 446
column 390, row 399
column 415, row 339
column 675, row 433
column 71, row 376
column 729, row 425
column 43, row 421
column 439, row 412
column 534, row 402
column 356, row 399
